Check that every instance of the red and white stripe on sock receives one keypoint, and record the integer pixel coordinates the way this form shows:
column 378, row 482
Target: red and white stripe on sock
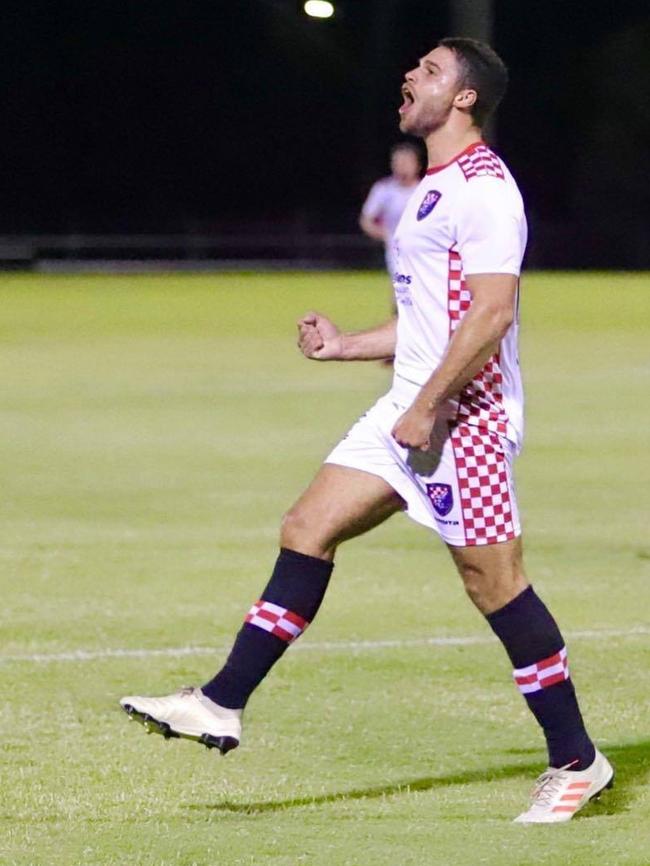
column 542, row 674
column 277, row 620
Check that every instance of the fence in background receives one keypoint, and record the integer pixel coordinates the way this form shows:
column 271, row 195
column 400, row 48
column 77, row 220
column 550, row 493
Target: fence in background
column 189, row 251
column 552, row 245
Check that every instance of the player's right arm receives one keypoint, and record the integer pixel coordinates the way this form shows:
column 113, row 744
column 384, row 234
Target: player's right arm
column 373, row 229
column 320, row 340
column 371, row 213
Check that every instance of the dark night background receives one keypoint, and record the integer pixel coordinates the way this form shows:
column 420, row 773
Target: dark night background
column 215, row 117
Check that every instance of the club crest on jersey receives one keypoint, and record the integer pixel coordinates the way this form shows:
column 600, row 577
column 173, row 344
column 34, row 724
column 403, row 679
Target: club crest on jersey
column 441, row 497
column 430, row 200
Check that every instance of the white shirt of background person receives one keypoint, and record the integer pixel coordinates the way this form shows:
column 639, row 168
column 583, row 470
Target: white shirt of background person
column 387, row 198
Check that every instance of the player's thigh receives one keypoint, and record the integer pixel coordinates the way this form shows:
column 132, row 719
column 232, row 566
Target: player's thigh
column 340, row 503
column 493, row 574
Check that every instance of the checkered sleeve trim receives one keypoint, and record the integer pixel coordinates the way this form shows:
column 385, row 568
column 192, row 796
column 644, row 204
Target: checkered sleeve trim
column 277, row 620
column 479, row 162
column 541, row 675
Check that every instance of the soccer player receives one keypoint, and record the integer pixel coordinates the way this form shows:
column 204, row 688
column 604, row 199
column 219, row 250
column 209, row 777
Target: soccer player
column 439, row 445
column 387, row 198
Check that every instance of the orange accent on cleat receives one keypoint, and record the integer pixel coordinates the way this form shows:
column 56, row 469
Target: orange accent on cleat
column 560, row 792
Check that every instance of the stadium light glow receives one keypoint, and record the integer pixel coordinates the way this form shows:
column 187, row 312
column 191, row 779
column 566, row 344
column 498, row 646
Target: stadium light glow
column 319, row 9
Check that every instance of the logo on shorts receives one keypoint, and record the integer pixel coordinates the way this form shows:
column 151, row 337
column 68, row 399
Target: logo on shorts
column 441, row 497
column 430, row 200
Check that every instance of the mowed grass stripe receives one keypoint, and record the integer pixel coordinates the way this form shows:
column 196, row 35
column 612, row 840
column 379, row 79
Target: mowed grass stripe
column 82, row 655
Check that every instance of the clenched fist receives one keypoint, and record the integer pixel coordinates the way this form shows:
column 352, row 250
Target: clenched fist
column 413, row 429
column 319, row 338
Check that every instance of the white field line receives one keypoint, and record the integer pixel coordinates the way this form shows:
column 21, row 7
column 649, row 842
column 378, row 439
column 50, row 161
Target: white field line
column 82, row 655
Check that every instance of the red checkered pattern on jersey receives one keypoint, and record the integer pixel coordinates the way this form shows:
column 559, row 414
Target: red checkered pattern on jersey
column 541, row 675
column 459, row 299
column 277, row 620
column 482, row 474
column 481, row 401
column 480, row 161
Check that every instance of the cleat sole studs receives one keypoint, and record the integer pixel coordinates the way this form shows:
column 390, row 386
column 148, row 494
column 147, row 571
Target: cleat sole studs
column 153, row 726
column 223, row 744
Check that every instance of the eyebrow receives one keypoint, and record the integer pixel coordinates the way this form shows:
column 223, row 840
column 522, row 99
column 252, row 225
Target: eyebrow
column 424, row 60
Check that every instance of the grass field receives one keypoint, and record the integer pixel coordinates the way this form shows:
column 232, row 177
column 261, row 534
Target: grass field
column 152, row 431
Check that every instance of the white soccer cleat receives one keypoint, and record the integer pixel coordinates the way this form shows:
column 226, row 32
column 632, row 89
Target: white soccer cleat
column 558, row 794
column 189, row 714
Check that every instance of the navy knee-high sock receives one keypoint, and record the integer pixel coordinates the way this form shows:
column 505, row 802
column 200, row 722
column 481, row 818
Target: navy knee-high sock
column 287, row 606
column 536, row 648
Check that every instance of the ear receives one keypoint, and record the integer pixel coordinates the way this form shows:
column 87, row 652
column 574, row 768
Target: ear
column 465, row 99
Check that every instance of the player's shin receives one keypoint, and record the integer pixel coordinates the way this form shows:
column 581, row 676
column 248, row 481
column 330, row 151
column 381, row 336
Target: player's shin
column 536, row 648
column 287, row 606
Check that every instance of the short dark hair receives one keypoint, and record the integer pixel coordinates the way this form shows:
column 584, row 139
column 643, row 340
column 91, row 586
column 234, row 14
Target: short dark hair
column 482, row 70
column 408, row 147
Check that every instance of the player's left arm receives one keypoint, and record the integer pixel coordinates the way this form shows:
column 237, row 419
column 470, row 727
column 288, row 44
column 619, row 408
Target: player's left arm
column 473, row 343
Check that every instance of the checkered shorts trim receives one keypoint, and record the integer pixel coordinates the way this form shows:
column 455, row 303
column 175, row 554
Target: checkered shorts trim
column 481, row 401
column 277, row 620
column 483, row 485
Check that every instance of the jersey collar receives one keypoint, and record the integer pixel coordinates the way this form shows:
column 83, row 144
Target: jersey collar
column 470, row 149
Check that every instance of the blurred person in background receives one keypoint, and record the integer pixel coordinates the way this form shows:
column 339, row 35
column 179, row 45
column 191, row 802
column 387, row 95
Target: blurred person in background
column 388, row 196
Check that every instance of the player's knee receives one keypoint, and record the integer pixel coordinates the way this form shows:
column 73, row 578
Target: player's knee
column 474, row 580
column 491, row 589
column 299, row 531
column 292, row 526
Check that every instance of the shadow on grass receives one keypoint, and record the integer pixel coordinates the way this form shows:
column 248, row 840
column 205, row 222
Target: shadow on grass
column 631, row 763
column 632, row 767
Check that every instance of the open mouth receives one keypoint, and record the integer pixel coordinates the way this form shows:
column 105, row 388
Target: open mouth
column 408, row 99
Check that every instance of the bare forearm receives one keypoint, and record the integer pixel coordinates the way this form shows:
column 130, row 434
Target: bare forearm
column 473, row 343
column 371, row 345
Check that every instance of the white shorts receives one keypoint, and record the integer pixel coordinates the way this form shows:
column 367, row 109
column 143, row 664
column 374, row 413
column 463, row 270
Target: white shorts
column 462, row 487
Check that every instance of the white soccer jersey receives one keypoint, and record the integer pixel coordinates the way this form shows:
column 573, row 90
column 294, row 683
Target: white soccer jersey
column 466, row 217
column 386, row 202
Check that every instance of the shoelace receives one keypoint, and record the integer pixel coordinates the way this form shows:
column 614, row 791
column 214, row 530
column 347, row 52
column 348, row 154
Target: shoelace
column 548, row 784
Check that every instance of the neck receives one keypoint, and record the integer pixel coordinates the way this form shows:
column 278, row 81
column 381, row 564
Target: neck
column 444, row 143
